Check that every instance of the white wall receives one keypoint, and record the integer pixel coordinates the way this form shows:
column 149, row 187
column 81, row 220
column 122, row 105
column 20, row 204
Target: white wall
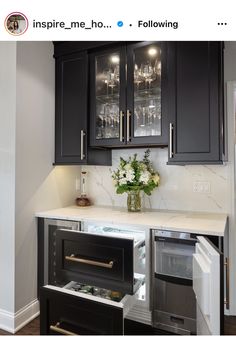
column 230, row 61
column 7, row 176
column 28, row 180
column 39, row 186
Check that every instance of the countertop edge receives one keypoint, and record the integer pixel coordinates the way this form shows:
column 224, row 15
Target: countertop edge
column 171, row 222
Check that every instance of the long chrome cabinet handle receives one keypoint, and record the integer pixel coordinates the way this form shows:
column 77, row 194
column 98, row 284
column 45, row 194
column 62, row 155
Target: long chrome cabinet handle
column 121, row 126
column 82, row 134
column 226, row 264
column 56, row 328
column 128, row 124
column 171, row 140
column 91, row 262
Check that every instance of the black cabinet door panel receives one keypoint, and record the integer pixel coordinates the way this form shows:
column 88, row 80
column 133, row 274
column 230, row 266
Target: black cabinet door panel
column 195, row 104
column 71, row 107
column 77, row 315
column 97, row 260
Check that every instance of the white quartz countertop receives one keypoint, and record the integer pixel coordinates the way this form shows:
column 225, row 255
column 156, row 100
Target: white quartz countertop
column 190, row 222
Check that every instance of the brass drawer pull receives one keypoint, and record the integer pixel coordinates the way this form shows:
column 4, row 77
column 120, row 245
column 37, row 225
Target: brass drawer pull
column 56, row 328
column 91, row 262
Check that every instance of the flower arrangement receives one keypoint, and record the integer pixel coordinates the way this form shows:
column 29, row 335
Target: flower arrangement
column 136, row 175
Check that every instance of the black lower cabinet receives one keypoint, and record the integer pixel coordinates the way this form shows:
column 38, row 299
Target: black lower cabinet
column 62, row 314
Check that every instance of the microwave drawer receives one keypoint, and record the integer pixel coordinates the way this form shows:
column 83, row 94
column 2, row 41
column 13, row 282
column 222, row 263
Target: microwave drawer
column 99, row 260
column 63, row 312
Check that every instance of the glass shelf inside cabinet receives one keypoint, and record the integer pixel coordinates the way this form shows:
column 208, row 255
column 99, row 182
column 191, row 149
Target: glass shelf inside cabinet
column 107, row 96
column 147, row 91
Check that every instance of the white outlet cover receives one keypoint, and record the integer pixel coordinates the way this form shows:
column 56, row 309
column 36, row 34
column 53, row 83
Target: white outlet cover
column 202, row 187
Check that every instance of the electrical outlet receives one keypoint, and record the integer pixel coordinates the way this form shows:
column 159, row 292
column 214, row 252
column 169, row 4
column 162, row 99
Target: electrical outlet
column 77, row 184
column 202, row 187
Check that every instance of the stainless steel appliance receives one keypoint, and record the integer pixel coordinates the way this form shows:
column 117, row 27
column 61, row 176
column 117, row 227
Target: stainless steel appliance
column 174, row 304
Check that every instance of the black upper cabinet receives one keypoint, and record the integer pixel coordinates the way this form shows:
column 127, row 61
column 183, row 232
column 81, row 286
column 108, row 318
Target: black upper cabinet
column 195, row 103
column 139, row 94
column 128, row 95
column 71, row 122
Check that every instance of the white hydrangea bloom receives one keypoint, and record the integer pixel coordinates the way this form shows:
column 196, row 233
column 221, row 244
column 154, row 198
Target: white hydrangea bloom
column 123, row 181
column 130, row 175
column 122, row 173
column 144, row 177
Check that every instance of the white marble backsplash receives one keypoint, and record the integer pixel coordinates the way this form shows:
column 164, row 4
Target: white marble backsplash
column 176, row 188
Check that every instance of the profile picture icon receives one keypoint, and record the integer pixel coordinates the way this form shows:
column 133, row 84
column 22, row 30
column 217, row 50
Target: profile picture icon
column 16, row 23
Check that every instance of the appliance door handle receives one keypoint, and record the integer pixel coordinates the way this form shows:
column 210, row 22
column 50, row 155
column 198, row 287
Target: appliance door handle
column 72, row 258
column 173, row 279
column 57, row 328
column 226, row 264
column 82, row 134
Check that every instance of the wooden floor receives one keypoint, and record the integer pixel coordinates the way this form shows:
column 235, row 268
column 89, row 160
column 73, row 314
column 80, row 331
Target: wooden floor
column 230, row 325
column 30, row 329
column 33, row 327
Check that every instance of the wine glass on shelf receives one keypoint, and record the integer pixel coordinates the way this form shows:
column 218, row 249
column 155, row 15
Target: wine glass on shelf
column 137, row 76
column 115, row 121
column 137, row 113
column 107, row 79
column 144, row 114
column 101, row 122
column 111, row 78
column 157, row 67
column 147, row 72
column 112, row 82
column 117, row 73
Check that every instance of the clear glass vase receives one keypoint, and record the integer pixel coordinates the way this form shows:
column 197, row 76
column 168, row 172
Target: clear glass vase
column 134, row 201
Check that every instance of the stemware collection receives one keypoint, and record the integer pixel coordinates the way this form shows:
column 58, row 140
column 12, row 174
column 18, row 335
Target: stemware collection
column 147, row 73
column 147, row 99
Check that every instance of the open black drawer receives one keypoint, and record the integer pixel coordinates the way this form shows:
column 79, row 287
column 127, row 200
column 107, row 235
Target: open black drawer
column 104, row 261
column 64, row 312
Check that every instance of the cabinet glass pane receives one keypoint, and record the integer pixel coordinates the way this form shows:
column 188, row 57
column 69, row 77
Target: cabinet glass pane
column 107, row 95
column 147, row 91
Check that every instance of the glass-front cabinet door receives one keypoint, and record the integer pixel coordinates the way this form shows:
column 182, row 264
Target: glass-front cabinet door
column 146, row 94
column 128, row 95
column 107, row 86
